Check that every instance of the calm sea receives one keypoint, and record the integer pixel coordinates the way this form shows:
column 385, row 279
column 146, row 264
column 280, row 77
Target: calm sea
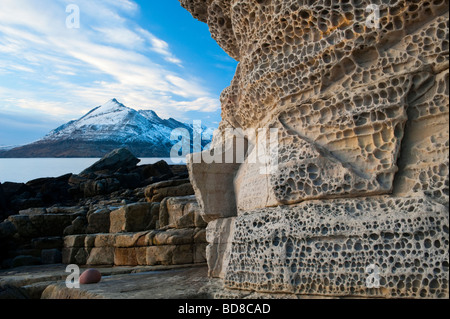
column 22, row 170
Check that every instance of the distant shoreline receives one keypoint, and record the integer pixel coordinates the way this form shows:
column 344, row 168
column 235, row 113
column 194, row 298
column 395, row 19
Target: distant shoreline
column 23, row 170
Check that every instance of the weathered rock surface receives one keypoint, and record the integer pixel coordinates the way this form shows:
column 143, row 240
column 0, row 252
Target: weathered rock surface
column 180, row 212
column 175, row 283
column 155, row 247
column 98, row 221
column 325, row 248
column 51, row 256
column 158, row 191
column 105, row 229
column 7, row 229
column 42, row 225
column 360, row 112
column 109, row 196
column 167, row 233
column 112, row 176
column 78, row 226
column 134, row 218
column 90, row 276
column 47, row 242
column 219, row 235
column 143, row 282
column 2, row 203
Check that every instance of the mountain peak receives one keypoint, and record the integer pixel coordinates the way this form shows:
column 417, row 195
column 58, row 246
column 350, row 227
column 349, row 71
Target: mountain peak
column 112, row 104
column 150, row 115
column 107, row 127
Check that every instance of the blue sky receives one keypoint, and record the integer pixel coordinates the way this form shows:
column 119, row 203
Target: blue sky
column 149, row 54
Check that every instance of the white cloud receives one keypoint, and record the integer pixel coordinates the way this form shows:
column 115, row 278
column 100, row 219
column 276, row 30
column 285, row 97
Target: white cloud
column 121, row 36
column 21, row 68
column 185, row 88
column 160, row 46
column 105, row 58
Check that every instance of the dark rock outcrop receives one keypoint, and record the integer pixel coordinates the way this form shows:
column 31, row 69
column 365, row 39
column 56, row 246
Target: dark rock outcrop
column 42, row 212
column 119, row 159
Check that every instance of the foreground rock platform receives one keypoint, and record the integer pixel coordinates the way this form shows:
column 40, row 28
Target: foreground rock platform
column 184, row 283
column 139, row 282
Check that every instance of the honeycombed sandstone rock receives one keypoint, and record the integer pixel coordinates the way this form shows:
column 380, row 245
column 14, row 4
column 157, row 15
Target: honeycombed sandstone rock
column 361, row 112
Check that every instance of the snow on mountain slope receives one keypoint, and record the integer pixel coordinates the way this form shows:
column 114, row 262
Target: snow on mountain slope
column 114, row 121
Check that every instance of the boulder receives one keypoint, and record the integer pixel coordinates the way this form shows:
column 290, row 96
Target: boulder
column 2, row 203
column 51, row 256
column 47, row 243
column 180, row 212
column 22, row 260
column 7, row 229
column 101, row 256
column 214, row 188
column 90, row 276
column 25, row 201
column 42, row 225
column 183, row 254
column 33, row 211
column 11, row 190
column 159, row 169
column 128, row 181
column 118, row 159
column 219, row 235
column 92, row 188
column 158, row 191
column 78, row 226
column 160, row 255
column 98, row 221
column 74, row 241
column 130, row 256
column 141, row 239
column 10, row 292
column 51, row 190
column 36, row 193
column 200, row 253
column 66, row 210
column 76, row 255
column 18, row 196
column 174, row 237
column 132, row 218
column 180, row 171
column 104, row 240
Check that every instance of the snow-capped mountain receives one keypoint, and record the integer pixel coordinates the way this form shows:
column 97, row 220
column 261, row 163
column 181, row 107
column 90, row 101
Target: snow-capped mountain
column 107, row 127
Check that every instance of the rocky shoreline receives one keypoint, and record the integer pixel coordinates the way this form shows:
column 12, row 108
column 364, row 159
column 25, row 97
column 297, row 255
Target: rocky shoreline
column 114, row 213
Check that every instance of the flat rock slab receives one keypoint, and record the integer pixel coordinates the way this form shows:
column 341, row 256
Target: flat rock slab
column 184, row 283
column 142, row 282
